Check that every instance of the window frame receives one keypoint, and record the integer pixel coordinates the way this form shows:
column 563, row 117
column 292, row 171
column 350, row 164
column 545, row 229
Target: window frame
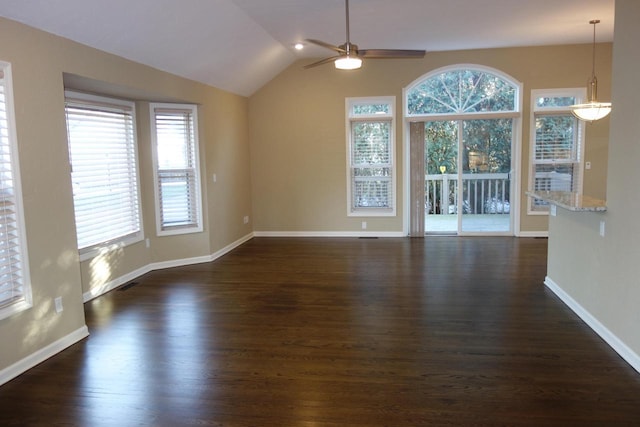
column 25, row 300
column 389, row 117
column 169, row 230
column 535, row 111
column 109, row 103
column 453, row 115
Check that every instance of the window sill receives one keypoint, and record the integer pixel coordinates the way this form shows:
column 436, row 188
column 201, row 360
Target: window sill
column 373, row 212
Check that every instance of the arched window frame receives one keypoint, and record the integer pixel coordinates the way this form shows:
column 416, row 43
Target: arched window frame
column 516, row 112
column 516, row 115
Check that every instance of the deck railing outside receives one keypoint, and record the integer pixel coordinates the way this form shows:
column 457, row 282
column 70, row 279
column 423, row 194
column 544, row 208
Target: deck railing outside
column 483, row 193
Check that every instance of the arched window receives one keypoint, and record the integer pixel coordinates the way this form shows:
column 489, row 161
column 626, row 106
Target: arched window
column 461, row 91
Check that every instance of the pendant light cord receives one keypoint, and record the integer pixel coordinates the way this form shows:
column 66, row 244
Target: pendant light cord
column 593, row 64
column 593, row 82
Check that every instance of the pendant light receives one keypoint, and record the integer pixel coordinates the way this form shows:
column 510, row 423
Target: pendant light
column 592, row 110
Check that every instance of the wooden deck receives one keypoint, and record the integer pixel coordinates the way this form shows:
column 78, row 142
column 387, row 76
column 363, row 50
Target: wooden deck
column 484, row 223
column 336, row 332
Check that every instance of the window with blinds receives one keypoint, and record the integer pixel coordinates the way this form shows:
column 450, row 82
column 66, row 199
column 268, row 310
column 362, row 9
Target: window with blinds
column 174, row 132
column 104, row 171
column 557, row 144
column 15, row 289
column 371, row 163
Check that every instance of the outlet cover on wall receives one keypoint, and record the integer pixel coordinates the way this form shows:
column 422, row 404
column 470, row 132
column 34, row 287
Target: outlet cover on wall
column 246, row 219
column 58, row 304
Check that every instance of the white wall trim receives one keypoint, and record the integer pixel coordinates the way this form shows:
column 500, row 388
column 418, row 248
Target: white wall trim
column 179, row 262
column 371, row 234
column 532, row 234
column 609, row 337
column 115, row 283
column 329, row 234
column 119, row 281
column 42, row 354
column 232, row 246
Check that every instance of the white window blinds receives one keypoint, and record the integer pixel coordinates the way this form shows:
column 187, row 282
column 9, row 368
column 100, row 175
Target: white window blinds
column 371, row 165
column 176, row 166
column 371, row 160
column 102, row 149
column 15, row 291
column 557, row 136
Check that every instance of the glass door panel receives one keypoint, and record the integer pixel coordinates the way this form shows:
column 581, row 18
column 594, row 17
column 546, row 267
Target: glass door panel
column 441, row 176
column 485, row 177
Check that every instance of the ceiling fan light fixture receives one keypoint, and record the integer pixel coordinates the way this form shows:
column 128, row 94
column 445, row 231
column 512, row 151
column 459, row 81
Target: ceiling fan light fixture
column 348, row 62
column 350, row 58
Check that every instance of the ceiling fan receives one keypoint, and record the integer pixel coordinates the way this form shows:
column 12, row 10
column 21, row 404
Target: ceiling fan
column 350, row 57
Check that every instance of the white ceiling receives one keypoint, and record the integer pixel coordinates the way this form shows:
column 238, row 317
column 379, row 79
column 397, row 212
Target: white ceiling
column 239, row 45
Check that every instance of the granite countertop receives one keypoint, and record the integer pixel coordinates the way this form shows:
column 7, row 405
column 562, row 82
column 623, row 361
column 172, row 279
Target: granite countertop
column 571, row 201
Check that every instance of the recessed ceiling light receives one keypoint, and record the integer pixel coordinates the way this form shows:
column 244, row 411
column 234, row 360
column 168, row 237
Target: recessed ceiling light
column 298, row 46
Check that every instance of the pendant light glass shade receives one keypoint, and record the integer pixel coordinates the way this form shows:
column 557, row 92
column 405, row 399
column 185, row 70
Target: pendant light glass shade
column 592, row 110
column 348, row 62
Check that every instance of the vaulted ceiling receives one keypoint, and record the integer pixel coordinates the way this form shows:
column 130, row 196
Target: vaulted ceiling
column 239, row 45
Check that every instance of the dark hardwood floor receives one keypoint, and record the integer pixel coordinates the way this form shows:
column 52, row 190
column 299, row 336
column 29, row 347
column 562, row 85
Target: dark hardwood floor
column 336, row 332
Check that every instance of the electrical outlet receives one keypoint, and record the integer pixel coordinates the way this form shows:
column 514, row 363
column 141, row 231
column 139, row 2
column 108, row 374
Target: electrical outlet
column 147, row 242
column 58, row 304
column 215, row 178
column 246, row 219
column 587, row 165
column 602, row 228
column 364, row 225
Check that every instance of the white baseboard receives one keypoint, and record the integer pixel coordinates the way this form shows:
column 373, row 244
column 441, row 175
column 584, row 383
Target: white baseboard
column 365, row 234
column 231, row 246
column 41, row 355
column 119, row 281
column 609, row 337
column 113, row 284
column 532, row 234
column 329, row 234
column 179, row 262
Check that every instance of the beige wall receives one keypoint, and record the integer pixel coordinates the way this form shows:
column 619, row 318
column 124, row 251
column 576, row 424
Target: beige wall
column 600, row 274
column 297, row 123
column 41, row 65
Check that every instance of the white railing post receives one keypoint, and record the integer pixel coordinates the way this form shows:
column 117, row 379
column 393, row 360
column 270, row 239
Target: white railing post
column 444, row 195
column 492, row 192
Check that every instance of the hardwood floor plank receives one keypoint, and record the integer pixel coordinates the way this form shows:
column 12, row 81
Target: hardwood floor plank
column 335, row 332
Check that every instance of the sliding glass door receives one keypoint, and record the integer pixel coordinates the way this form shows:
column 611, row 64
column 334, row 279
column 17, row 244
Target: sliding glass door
column 468, row 176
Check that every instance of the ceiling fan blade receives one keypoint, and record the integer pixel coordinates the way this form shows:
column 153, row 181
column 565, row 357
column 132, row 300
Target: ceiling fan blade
column 327, row 45
column 391, row 53
column 322, row 61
